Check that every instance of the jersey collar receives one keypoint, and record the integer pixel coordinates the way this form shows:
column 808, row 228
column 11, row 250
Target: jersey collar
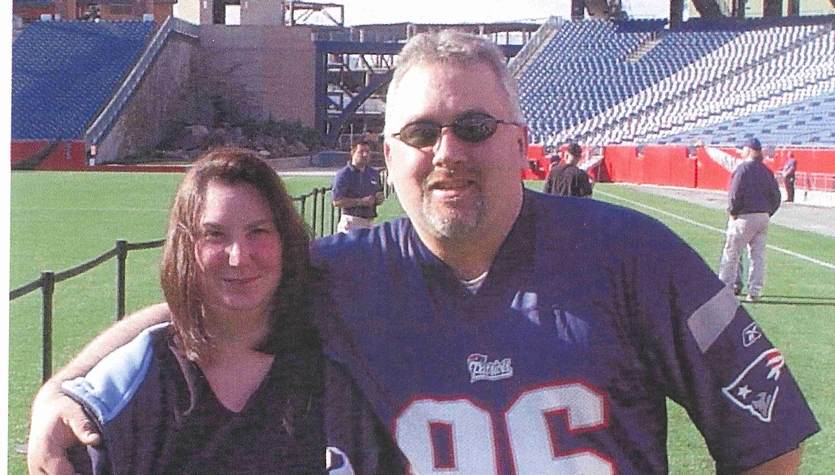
column 516, row 251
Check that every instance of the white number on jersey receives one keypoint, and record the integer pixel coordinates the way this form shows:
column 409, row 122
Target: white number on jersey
column 457, row 436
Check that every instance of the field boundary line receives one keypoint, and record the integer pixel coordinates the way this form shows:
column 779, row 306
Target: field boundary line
column 705, row 226
column 86, row 210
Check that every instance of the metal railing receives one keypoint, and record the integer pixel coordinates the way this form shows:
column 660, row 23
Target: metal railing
column 320, row 215
column 807, row 181
column 539, row 37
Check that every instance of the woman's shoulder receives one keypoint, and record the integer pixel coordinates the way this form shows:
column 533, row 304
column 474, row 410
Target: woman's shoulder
column 107, row 388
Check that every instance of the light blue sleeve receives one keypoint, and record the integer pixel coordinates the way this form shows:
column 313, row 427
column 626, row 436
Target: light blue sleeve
column 112, row 383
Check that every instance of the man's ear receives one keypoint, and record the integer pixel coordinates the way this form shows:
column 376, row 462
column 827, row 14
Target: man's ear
column 387, row 152
column 387, row 155
column 522, row 143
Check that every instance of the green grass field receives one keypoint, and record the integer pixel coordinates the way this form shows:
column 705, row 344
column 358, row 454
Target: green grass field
column 59, row 220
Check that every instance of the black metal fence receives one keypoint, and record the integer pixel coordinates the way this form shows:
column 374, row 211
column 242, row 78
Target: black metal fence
column 316, row 207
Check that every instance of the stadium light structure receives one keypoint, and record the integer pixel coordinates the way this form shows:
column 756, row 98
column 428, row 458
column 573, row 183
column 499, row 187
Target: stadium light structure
column 301, row 13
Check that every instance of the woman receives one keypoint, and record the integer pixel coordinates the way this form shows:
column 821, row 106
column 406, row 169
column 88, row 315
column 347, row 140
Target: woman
column 234, row 383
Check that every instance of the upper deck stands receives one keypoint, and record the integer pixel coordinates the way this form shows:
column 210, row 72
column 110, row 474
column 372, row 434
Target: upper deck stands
column 64, row 72
column 600, row 82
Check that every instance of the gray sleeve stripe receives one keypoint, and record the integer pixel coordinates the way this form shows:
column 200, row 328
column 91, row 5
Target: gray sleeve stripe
column 711, row 319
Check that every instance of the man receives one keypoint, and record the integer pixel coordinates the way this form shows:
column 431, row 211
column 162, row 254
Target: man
column 789, row 170
column 553, row 161
column 357, row 189
column 568, row 179
column 753, row 198
column 482, row 337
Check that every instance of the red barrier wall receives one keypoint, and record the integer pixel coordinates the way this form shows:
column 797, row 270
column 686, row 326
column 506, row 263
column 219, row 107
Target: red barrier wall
column 618, row 161
column 539, row 164
column 68, row 155
column 709, row 174
column 655, row 165
column 665, row 165
column 673, row 165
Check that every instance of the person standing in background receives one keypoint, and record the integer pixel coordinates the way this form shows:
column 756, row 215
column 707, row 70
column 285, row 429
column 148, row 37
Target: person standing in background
column 789, row 170
column 753, row 198
column 568, row 179
column 357, row 189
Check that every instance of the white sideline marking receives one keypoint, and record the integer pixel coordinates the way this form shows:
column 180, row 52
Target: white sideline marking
column 705, row 226
column 307, row 173
column 87, row 210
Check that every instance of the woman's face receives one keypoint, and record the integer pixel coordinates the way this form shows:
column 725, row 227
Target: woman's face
column 238, row 251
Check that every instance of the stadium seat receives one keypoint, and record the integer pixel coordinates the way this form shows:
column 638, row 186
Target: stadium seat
column 86, row 59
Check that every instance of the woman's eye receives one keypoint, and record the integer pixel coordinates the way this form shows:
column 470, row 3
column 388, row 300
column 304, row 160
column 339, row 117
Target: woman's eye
column 263, row 230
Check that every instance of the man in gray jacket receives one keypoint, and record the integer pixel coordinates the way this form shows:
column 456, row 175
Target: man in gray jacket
column 753, row 198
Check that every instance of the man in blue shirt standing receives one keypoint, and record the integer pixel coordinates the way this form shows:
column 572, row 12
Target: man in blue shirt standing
column 789, row 170
column 357, row 190
column 753, row 198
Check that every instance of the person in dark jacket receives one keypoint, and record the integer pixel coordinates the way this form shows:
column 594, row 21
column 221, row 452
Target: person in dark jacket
column 568, row 179
column 753, row 198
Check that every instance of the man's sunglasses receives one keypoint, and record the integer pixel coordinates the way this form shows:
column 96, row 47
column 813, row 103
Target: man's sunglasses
column 473, row 128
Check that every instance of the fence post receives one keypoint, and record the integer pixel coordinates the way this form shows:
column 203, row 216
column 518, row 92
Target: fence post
column 315, row 206
column 322, row 221
column 121, row 260
column 302, row 206
column 48, row 289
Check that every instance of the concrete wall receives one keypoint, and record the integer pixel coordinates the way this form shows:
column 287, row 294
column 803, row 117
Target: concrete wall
column 258, row 71
column 166, row 94
column 262, row 12
column 253, row 12
column 261, row 70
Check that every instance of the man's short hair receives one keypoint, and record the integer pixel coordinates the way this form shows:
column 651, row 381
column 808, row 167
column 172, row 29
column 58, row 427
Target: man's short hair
column 575, row 150
column 451, row 46
column 358, row 143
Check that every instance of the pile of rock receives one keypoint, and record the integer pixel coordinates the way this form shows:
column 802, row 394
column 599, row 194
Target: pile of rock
column 198, row 138
column 187, row 142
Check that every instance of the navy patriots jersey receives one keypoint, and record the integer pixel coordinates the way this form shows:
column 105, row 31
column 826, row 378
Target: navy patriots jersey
column 157, row 414
column 590, row 317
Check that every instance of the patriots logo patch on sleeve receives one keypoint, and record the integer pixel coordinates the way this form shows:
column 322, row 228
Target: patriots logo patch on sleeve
column 751, row 334
column 756, row 388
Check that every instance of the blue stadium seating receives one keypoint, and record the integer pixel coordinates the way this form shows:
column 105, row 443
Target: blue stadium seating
column 63, row 73
column 634, row 81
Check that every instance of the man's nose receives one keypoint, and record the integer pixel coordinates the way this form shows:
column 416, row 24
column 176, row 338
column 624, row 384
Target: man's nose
column 449, row 149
